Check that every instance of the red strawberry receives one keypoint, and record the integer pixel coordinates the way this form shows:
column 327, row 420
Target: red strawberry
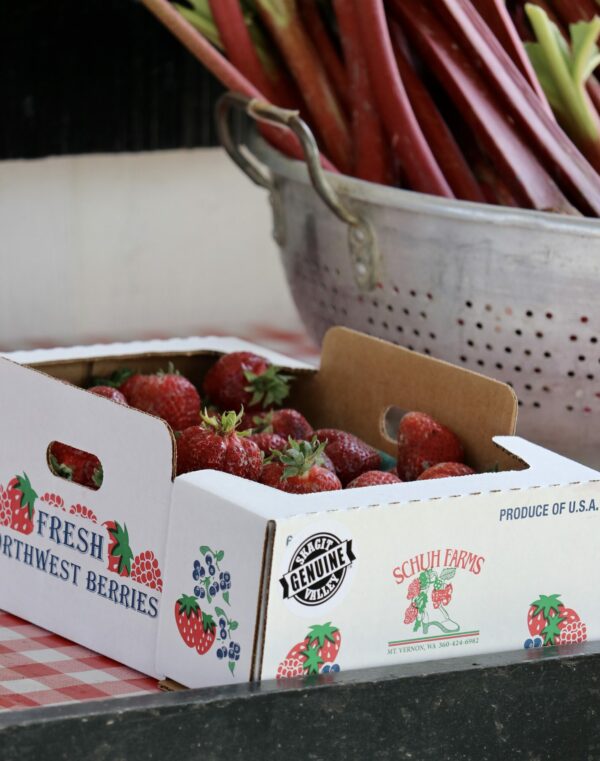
column 242, row 379
column 207, row 633
column 22, row 499
column 267, row 442
column 328, row 638
column 350, row 455
column 373, row 478
column 83, row 512
column 168, row 395
column 299, row 469
column 423, row 442
column 290, row 667
column 187, row 618
column 287, row 423
column 75, row 465
column 145, row 570
column 110, row 393
column 5, row 507
column 446, row 470
column 540, row 610
column 54, row 500
column 215, row 445
column 119, row 551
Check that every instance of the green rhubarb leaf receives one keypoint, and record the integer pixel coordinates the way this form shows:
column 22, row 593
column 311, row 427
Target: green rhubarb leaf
column 547, row 604
column 552, row 629
column 312, row 659
column 318, row 633
column 563, row 70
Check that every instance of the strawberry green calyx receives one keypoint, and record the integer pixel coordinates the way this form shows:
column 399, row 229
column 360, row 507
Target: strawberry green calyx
column 171, row 370
column 552, row 629
column 28, row 495
column 547, row 604
column 98, row 476
column 318, row 633
column 121, row 548
column 224, row 424
column 188, row 605
column 299, row 457
column 60, row 469
column 269, row 388
column 208, row 622
column 114, row 380
column 313, row 659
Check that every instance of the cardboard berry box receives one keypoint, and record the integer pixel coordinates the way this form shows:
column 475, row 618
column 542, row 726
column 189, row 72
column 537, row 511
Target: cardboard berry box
column 287, row 584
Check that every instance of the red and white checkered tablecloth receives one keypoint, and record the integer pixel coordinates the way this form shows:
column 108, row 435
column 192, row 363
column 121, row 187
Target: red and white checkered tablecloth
column 38, row 668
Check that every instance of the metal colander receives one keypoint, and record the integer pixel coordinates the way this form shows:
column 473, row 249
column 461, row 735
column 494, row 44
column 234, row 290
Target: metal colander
column 510, row 293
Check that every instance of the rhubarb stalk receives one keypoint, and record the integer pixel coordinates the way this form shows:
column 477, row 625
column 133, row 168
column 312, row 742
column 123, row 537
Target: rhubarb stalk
column 227, row 74
column 407, row 138
column 284, row 23
column 370, row 159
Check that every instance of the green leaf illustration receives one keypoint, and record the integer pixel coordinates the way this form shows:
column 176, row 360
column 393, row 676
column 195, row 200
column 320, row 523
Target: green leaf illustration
column 417, row 625
column 447, row 574
column 220, row 612
column 313, row 659
column 547, row 604
column 232, row 667
column 552, row 630
column 204, row 549
column 233, row 625
column 226, row 597
column 220, row 555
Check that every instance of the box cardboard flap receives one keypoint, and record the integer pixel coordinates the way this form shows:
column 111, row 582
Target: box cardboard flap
column 362, row 377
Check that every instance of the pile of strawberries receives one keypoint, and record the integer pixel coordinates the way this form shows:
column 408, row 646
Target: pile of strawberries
column 237, row 425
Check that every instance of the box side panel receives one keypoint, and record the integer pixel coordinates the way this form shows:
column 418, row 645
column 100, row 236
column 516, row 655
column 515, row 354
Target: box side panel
column 58, row 564
column 214, row 571
column 435, row 579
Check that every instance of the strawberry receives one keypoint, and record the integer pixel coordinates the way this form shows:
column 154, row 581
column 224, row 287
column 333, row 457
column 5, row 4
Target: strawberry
column 287, row 423
column 556, row 624
column 245, row 380
column 119, row 551
column 328, row 638
column 168, row 395
column 187, row 618
column 350, row 455
column 54, row 500
column 446, row 470
column 145, row 570
column 299, row 469
column 206, row 633
column 5, row 507
column 373, row 478
column 75, row 465
column 540, row 610
column 216, row 445
column 290, row 667
column 83, row 512
column 267, row 442
column 423, row 442
column 22, row 499
column 110, row 393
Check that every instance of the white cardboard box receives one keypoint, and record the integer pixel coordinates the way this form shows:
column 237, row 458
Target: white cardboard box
column 340, row 561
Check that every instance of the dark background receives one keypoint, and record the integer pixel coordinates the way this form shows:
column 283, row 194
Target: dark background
column 97, row 76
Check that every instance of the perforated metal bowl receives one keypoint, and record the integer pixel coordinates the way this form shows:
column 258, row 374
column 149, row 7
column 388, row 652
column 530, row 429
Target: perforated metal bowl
column 512, row 294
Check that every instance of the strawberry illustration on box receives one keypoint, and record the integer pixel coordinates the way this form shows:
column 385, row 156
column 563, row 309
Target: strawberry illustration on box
column 17, row 502
column 198, row 627
column 315, row 654
column 550, row 622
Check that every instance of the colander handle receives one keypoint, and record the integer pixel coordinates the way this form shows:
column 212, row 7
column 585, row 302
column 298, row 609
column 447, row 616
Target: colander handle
column 361, row 237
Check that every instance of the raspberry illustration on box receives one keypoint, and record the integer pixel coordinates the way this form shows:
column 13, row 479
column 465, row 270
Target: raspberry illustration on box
column 431, row 587
column 197, row 627
column 550, row 622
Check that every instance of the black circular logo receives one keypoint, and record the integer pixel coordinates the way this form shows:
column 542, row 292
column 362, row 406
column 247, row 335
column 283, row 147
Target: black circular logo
column 317, row 569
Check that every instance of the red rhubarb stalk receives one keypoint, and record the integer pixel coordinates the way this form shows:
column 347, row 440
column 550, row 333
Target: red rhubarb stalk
column 407, row 138
column 441, row 140
column 284, row 23
column 370, row 150
column 332, row 62
column 497, row 17
column 561, row 158
column 225, row 72
column 517, row 166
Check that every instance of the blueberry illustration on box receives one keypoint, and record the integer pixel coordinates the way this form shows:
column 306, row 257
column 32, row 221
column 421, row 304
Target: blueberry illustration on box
column 201, row 627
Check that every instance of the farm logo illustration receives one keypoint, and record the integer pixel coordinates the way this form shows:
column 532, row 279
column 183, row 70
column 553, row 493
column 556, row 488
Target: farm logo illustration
column 431, row 579
column 315, row 654
column 199, row 628
column 317, row 569
column 550, row 622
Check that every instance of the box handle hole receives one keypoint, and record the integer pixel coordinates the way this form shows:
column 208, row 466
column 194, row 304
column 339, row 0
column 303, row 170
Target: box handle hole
column 76, row 465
